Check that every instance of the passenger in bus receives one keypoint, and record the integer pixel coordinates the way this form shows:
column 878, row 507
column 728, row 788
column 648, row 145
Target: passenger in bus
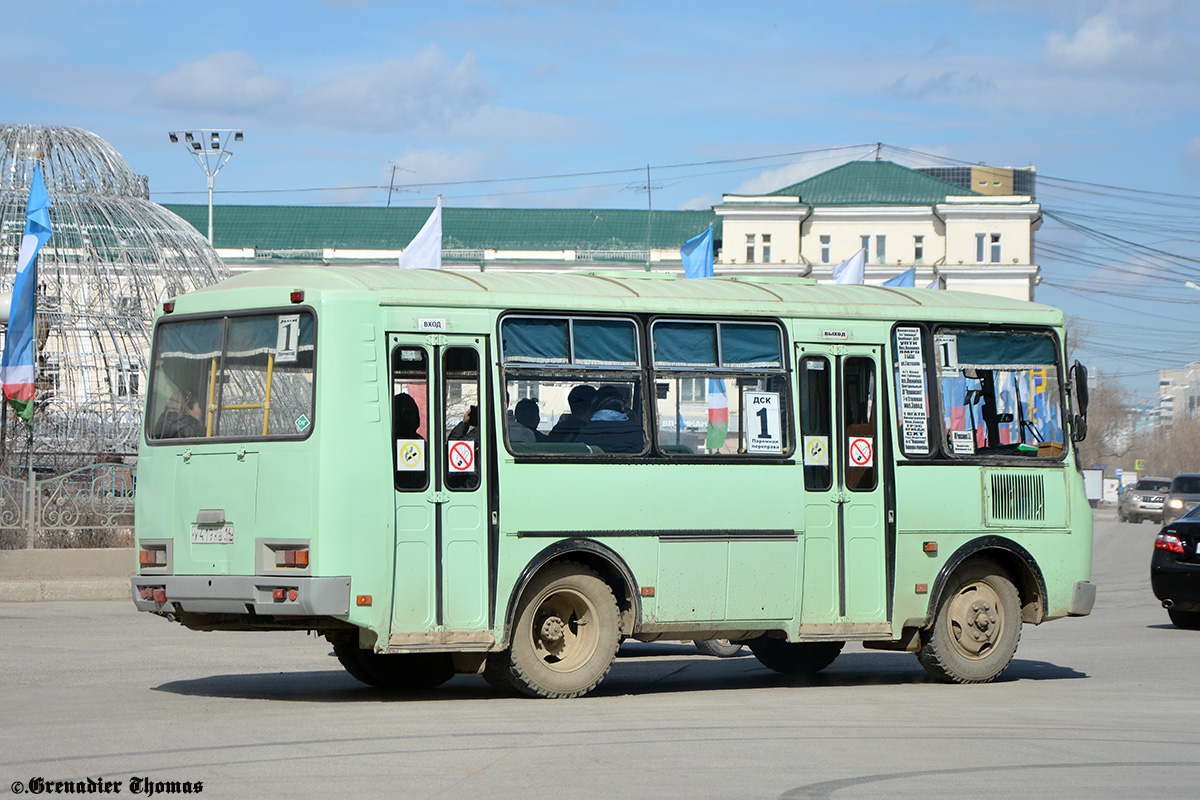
column 567, row 429
column 468, row 428
column 406, row 417
column 181, row 418
column 610, row 428
column 524, row 422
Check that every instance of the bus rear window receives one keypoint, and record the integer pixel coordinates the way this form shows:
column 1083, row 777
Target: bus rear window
column 234, row 377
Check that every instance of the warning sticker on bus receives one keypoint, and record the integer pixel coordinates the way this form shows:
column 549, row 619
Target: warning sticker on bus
column 462, row 456
column 410, row 455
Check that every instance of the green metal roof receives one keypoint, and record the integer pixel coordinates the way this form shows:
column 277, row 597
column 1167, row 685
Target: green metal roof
column 873, row 183
column 371, row 228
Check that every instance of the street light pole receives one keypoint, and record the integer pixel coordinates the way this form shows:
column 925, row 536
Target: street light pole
column 209, row 148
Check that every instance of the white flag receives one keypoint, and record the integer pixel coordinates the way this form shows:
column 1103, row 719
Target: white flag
column 425, row 250
column 937, row 284
column 851, row 270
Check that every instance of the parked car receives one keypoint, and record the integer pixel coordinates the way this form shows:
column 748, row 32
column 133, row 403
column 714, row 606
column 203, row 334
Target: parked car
column 1175, row 569
column 1183, row 496
column 1144, row 500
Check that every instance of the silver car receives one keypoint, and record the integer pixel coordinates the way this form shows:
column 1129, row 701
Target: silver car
column 1183, row 496
column 1144, row 500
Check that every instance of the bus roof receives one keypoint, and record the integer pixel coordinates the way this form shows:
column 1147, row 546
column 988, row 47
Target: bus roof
column 629, row 292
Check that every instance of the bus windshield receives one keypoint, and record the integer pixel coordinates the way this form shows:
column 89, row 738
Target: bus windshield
column 232, row 377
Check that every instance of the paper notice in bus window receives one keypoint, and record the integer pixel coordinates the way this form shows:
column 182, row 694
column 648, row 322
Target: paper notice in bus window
column 410, row 455
column 288, row 342
column 914, row 402
column 962, row 443
column 461, row 456
column 764, row 434
column 816, row 451
column 946, row 345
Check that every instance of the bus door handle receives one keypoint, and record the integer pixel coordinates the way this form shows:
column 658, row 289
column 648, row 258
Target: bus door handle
column 841, row 497
column 437, row 497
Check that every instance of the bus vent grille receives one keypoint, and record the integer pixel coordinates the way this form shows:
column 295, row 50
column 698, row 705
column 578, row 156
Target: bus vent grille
column 1018, row 496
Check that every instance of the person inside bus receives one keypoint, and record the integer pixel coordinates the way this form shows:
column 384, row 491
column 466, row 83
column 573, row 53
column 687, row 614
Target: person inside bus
column 524, row 423
column 406, row 417
column 567, row 429
column 468, row 428
column 181, row 418
column 610, row 428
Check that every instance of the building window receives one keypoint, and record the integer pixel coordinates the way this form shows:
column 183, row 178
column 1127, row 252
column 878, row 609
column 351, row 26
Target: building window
column 749, row 248
column 766, row 243
column 995, row 254
column 918, row 249
column 880, row 249
column 824, row 249
column 866, row 248
column 980, row 240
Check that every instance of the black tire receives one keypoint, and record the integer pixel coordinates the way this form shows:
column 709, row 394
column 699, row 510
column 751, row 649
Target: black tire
column 795, row 658
column 1189, row 620
column 977, row 627
column 1120, row 514
column 409, row 672
column 1137, row 520
column 719, row 648
column 564, row 637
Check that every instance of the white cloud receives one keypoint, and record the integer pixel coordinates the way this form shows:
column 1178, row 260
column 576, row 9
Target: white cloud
column 223, row 82
column 426, row 94
column 1140, row 37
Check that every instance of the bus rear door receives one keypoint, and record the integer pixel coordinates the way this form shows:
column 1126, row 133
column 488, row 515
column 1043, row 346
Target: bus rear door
column 845, row 565
column 441, row 592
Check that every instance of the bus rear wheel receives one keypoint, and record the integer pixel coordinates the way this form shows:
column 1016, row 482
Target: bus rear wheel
column 977, row 627
column 565, row 636
column 410, row 672
column 795, row 658
column 720, row 648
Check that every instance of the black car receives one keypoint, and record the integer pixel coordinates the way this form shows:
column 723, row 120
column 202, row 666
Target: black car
column 1175, row 569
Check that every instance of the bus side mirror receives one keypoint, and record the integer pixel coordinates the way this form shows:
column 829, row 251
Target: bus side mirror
column 1079, row 423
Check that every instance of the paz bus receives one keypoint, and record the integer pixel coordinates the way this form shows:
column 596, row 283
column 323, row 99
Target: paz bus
column 509, row 474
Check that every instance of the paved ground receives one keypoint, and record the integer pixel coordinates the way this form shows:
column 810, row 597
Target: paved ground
column 1098, row 707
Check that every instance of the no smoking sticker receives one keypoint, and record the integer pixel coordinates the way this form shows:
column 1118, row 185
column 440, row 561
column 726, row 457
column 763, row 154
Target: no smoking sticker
column 410, row 455
column 462, row 456
column 861, row 451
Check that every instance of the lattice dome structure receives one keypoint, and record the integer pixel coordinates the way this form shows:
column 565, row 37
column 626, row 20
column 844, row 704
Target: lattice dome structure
column 113, row 257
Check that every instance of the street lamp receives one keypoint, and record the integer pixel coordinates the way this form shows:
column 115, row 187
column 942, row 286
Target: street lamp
column 209, row 148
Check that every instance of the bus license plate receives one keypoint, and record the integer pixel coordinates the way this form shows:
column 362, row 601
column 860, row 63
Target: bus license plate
column 221, row 535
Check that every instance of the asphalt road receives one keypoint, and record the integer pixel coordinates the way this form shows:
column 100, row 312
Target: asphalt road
column 1104, row 706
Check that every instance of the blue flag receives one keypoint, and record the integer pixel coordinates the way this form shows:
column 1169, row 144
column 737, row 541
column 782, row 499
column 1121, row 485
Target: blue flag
column 17, row 371
column 697, row 255
column 904, row 279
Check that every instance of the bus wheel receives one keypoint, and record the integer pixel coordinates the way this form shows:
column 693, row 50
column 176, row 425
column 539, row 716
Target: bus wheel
column 721, row 648
column 977, row 627
column 411, row 672
column 565, row 636
column 795, row 658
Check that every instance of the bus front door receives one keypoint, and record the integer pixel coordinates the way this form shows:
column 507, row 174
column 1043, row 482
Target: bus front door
column 845, row 564
column 441, row 590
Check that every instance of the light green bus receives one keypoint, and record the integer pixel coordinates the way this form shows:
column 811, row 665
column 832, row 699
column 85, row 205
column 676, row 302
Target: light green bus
column 508, row 474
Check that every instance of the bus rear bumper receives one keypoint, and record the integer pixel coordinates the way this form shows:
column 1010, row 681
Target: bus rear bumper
column 1082, row 599
column 242, row 594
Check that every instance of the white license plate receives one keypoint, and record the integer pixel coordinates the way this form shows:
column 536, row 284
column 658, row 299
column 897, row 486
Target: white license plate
column 221, row 535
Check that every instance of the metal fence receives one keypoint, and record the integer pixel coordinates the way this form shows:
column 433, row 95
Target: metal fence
column 91, row 506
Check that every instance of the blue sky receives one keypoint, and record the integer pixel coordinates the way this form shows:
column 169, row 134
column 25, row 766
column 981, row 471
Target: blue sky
column 480, row 100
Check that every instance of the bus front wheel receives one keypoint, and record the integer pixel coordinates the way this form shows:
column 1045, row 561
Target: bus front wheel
column 795, row 658
column 977, row 627
column 565, row 636
column 410, row 672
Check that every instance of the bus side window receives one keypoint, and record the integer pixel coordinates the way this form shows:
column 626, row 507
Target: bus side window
column 816, row 422
column 460, row 398
column 858, row 401
column 410, row 418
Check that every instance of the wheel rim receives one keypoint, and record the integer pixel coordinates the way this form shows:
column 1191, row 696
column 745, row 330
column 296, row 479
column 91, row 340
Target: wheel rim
column 976, row 620
column 564, row 632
